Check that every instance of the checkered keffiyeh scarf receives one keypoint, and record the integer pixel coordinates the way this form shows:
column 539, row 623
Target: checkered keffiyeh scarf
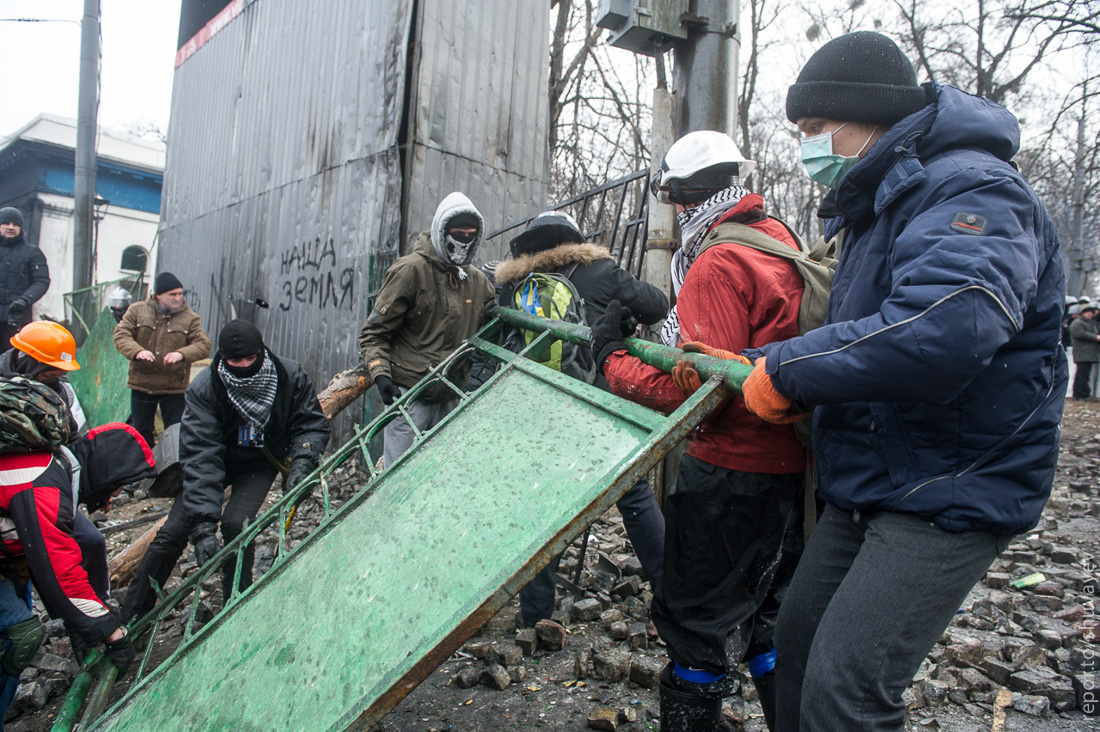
column 695, row 224
column 252, row 396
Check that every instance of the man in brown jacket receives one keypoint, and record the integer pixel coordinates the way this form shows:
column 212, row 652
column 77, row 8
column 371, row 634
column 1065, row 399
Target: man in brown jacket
column 430, row 302
column 161, row 337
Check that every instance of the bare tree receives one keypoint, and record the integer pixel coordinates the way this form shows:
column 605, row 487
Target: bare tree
column 981, row 46
column 599, row 110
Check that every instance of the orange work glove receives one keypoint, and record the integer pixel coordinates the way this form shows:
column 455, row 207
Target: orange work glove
column 703, row 348
column 686, row 377
column 764, row 401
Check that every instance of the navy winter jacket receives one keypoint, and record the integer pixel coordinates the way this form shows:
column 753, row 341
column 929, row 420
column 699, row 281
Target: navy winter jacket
column 939, row 375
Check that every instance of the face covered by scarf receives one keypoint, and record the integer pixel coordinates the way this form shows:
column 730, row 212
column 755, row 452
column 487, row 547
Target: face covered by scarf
column 695, row 224
column 251, row 389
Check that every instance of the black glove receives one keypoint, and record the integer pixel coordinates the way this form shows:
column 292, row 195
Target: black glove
column 608, row 332
column 204, row 539
column 121, row 652
column 487, row 313
column 299, row 469
column 18, row 307
column 387, row 389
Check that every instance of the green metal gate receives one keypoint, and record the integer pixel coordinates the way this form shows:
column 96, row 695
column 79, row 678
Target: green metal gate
column 350, row 620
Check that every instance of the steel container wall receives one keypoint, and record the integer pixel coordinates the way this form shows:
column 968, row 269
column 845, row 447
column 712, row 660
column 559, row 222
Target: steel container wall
column 479, row 114
column 309, row 140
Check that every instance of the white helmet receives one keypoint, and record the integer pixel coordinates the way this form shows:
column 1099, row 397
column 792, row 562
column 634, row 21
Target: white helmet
column 120, row 298
column 697, row 165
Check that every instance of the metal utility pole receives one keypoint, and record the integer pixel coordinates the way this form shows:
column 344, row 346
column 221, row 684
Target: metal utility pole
column 1079, row 276
column 706, row 69
column 87, row 109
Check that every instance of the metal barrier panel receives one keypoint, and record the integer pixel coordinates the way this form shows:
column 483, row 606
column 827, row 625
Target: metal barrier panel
column 397, row 579
column 100, row 384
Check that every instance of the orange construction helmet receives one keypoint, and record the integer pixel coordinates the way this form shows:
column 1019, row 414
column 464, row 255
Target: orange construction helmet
column 48, row 342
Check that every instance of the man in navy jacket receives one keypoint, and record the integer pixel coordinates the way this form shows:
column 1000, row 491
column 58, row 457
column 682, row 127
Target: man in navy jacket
column 936, row 383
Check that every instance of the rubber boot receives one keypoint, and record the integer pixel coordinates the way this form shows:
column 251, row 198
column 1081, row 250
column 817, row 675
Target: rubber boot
column 684, row 712
column 765, row 690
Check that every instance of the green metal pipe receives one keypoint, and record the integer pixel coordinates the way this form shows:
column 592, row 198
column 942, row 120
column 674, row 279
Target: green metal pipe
column 98, row 700
column 66, row 716
column 732, row 373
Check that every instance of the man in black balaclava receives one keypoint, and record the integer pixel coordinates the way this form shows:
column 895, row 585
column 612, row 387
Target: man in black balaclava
column 24, row 276
column 246, row 415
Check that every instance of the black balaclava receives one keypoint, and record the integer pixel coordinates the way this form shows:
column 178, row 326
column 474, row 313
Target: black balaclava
column 238, row 339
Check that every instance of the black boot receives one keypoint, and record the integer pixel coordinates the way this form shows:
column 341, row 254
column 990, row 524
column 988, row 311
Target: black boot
column 765, row 690
column 685, row 712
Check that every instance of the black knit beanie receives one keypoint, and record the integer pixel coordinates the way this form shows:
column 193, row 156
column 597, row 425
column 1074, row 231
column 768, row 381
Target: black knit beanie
column 239, row 338
column 165, row 282
column 10, row 215
column 858, row 77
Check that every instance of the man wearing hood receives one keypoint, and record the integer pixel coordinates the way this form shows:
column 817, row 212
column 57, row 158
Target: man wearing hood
column 24, row 276
column 552, row 242
column 246, row 415
column 161, row 337
column 734, row 518
column 431, row 301
column 937, row 381
column 38, row 496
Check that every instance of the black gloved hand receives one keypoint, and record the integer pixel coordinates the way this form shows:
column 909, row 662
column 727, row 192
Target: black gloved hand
column 299, row 469
column 121, row 652
column 18, row 307
column 487, row 313
column 609, row 331
column 204, row 539
column 387, row 389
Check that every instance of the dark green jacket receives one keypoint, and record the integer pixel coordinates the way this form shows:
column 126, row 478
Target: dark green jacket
column 1086, row 349
column 423, row 313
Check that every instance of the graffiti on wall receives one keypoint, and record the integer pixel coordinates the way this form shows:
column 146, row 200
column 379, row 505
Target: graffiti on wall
column 310, row 276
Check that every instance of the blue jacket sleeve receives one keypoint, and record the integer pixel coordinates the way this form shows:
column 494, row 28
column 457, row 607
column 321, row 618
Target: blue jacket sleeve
column 953, row 300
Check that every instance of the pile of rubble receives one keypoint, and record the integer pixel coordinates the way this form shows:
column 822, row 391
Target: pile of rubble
column 1026, row 638
column 1025, row 642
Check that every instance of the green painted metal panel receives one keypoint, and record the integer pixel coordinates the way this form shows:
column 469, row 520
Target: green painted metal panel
column 375, row 599
column 100, row 384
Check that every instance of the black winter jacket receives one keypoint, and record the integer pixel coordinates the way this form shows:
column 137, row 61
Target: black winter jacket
column 208, row 433
column 23, row 274
column 597, row 279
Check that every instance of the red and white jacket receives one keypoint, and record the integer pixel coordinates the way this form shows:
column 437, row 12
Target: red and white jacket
column 733, row 298
column 37, row 505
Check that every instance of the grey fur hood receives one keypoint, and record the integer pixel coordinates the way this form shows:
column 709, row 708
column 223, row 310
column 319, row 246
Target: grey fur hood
column 549, row 260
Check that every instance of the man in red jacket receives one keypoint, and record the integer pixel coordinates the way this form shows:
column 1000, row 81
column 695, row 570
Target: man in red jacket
column 38, row 496
column 736, row 508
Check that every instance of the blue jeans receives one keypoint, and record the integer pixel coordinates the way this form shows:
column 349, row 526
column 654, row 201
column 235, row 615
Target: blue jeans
column 14, row 609
column 645, row 527
column 870, row 597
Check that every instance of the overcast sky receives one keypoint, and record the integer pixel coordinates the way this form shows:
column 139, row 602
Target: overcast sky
column 40, row 62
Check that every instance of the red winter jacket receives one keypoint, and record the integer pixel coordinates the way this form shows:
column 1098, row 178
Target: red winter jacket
column 36, row 518
column 733, row 298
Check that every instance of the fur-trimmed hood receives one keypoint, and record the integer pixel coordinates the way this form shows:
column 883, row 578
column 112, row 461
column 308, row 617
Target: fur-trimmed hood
column 549, row 260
